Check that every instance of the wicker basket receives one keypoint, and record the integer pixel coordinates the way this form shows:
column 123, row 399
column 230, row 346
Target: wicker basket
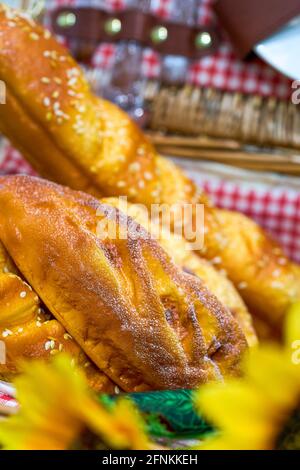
column 244, row 130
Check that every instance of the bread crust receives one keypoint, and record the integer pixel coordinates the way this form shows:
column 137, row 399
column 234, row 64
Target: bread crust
column 142, row 321
column 28, row 332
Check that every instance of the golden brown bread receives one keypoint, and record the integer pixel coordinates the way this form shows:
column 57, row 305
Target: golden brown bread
column 183, row 255
column 77, row 139
column 142, row 321
column 29, row 333
column 256, row 264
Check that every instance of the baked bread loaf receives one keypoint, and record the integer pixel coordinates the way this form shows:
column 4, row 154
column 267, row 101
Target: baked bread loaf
column 29, row 333
column 72, row 137
column 183, row 255
column 143, row 321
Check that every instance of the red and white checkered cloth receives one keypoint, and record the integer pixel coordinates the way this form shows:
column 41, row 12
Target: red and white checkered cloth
column 8, row 405
column 222, row 70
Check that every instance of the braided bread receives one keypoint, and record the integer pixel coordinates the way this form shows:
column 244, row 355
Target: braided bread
column 72, row 137
column 142, row 321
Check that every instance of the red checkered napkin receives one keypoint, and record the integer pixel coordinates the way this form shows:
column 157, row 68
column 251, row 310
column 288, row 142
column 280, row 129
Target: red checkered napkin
column 222, row 70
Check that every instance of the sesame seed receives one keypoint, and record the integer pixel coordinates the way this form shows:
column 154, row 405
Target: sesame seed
column 55, row 94
column 5, row 269
column 242, row 285
column 45, row 80
column 38, row 323
column 20, row 330
column 34, row 36
column 46, row 53
column 6, row 333
column 47, row 34
column 23, row 294
column 47, row 345
column 67, row 336
column 46, row 102
column 87, row 364
column 121, row 184
column 57, row 80
column 117, row 390
column 136, row 166
column 141, row 184
column 147, row 175
column 141, row 151
column 49, row 116
column 60, row 347
column 276, row 273
column 132, row 192
column 72, row 81
column 216, row 260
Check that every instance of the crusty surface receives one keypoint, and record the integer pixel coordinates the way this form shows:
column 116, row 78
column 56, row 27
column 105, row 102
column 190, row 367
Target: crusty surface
column 82, row 141
column 143, row 321
column 268, row 281
column 183, row 255
column 28, row 333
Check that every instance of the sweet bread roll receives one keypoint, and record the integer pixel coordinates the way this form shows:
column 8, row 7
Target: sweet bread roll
column 72, row 137
column 142, row 321
column 28, row 333
column 182, row 254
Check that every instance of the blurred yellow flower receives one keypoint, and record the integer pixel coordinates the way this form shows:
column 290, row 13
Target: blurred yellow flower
column 58, row 411
column 261, row 411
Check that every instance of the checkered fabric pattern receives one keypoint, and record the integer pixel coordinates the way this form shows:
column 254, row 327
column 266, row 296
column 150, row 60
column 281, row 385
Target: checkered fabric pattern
column 222, row 70
column 7, row 404
column 275, row 209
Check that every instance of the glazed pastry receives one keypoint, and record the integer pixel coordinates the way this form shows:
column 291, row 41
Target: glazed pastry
column 29, row 333
column 143, row 321
column 183, row 255
column 72, row 137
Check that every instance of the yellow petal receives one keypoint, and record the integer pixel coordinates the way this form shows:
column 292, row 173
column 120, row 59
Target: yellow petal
column 270, row 369
column 234, row 407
